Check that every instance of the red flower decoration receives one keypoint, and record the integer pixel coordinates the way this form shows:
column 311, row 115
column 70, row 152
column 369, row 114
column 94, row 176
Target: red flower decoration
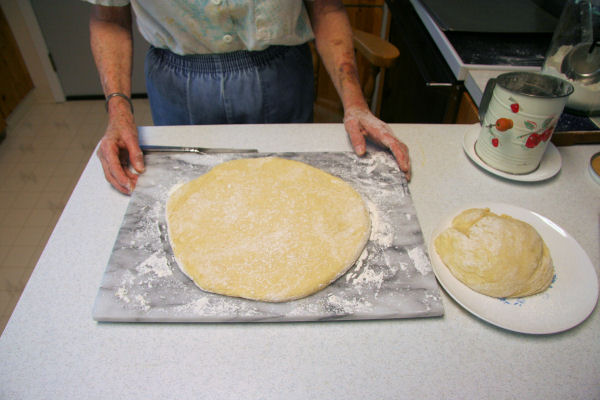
column 533, row 140
column 547, row 133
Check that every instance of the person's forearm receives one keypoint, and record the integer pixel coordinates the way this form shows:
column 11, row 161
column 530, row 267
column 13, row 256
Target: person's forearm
column 333, row 40
column 112, row 47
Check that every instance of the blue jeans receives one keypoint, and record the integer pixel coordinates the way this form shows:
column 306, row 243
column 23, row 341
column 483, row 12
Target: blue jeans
column 270, row 86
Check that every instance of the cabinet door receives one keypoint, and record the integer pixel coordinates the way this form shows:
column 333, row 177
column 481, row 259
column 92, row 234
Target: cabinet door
column 15, row 81
column 468, row 112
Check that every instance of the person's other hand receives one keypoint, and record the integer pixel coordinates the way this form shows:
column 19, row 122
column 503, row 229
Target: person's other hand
column 361, row 123
column 118, row 150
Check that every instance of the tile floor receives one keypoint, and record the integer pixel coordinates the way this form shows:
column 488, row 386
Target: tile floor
column 46, row 148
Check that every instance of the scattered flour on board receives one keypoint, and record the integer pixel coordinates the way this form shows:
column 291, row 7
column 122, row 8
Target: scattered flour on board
column 155, row 210
column 149, row 230
column 121, row 293
column 420, row 259
column 127, row 281
column 359, row 264
column 363, row 275
column 378, row 158
column 216, row 306
column 173, row 188
column 156, row 264
column 369, row 278
column 143, row 303
column 381, row 232
column 152, row 270
column 352, row 305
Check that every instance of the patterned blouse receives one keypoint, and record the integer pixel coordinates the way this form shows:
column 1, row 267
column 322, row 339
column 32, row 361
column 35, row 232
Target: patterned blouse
column 219, row 26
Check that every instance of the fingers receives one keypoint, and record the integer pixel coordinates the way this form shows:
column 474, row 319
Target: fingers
column 400, row 152
column 118, row 150
column 113, row 169
column 115, row 161
column 357, row 137
column 136, row 156
column 379, row 132
column 398, row 149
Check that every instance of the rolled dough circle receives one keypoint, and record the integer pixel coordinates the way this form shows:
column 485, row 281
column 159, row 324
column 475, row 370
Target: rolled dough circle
column 267, row 229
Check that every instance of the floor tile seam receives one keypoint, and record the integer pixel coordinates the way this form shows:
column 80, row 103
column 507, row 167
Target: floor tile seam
column 28, row 261
column 9, row 286
column 47, row 184
column 11, row 222
column 31, row 236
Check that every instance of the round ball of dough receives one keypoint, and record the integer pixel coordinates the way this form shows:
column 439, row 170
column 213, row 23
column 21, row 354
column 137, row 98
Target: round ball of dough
column 266, row 229
column 495, row 255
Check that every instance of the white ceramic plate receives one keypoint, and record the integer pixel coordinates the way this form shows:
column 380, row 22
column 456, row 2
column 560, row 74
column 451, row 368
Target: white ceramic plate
column 566, row 303
column 549, row 166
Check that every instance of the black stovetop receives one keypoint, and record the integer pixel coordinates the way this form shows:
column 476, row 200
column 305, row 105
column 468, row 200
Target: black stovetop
column 524, row 49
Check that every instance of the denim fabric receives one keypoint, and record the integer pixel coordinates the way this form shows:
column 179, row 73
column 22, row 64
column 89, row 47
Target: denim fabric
column 270, row 86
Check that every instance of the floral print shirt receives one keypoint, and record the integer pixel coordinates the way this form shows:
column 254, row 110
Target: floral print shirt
column 219, row 26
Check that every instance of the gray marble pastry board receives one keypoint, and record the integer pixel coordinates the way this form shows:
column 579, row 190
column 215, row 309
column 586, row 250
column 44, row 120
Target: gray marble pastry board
column 392, row 279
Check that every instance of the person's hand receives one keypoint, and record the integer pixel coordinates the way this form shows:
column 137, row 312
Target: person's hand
column 118, row 150
column 361, row 123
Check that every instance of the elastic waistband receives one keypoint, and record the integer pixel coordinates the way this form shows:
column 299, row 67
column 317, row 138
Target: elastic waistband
column 224, row 62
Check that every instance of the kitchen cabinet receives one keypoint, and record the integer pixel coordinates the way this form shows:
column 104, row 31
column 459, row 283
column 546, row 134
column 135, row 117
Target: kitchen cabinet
column 365, row 15
column 420, row 87
column 15, row 81
column 467, row 113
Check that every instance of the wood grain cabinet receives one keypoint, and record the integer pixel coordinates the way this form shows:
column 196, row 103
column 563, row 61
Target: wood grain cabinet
column 467, row 113
column 365, row 15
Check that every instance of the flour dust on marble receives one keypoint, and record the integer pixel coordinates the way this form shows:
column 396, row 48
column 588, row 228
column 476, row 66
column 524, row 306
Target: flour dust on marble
column 392, row 278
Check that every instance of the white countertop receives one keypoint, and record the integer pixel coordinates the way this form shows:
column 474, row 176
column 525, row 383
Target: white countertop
column 51, row 347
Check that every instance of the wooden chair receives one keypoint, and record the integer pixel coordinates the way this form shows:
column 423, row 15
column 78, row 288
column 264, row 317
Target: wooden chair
column 374, row 55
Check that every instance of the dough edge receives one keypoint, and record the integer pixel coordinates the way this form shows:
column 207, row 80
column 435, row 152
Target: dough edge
column 360, row 248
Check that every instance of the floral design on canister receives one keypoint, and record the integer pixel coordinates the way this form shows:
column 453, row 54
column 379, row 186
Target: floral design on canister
column 521, row 116
column 542, row 135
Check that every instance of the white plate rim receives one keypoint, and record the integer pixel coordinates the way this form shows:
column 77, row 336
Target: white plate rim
column 549, row 166
column 543, row 313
